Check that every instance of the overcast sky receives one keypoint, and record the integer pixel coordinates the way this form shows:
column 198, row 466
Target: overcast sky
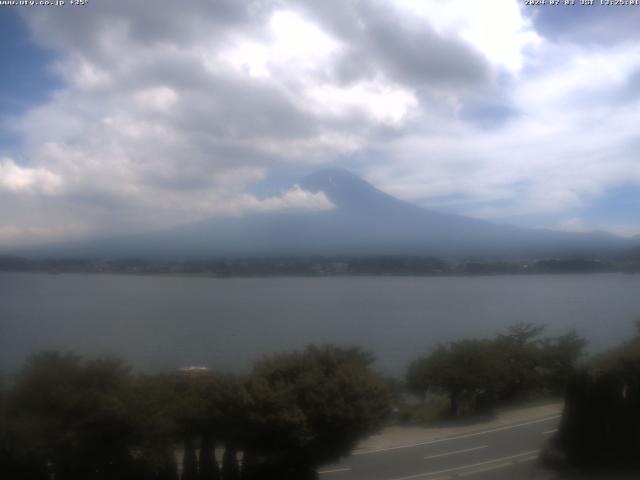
column 128, row 115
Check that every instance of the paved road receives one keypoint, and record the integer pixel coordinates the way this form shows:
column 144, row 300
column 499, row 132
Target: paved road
column 506, row 452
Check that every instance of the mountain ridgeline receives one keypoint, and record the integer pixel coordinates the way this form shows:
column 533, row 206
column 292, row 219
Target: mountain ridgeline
column 364, row 222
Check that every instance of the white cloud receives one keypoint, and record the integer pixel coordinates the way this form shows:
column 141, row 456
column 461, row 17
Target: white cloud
column 297, row 39
column 498, row 30
column 573, row 137
column 25, row 180
column 293, row 200
column 386, row 103
column 156, row 98
column 287, row 42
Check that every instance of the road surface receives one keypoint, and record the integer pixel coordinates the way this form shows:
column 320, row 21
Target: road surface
column 504, row 452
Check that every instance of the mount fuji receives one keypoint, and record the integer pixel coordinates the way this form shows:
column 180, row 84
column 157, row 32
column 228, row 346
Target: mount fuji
column 364, row 222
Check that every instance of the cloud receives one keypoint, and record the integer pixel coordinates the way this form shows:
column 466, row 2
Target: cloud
column 293, row 200
column 190, row 106
column 500, row 33
column 388, row 39
column 568, row 144
column 11, row 235
column 169, row 115
column 580, row 226
column 25, row 180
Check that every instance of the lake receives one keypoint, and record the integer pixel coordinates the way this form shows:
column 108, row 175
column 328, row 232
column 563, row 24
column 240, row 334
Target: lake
column 157, row 322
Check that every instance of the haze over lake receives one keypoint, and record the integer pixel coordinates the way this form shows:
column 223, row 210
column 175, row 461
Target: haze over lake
column 169, row 322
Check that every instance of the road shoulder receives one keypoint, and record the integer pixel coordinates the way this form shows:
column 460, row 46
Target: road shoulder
column 397, row 437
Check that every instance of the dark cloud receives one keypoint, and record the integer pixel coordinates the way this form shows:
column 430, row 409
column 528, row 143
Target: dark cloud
column 244, row 110
column 87, row 30
column 415, row 54
column 382, row 39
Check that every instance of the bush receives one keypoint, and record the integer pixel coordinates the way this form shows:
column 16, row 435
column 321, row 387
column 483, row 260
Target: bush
column 93, row 420
column 601, row 422
column 428, row 411
column 311, row 407
column 477, row 374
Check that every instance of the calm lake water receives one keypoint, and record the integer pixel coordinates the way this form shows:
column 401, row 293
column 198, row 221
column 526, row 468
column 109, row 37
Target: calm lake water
column 168, row 322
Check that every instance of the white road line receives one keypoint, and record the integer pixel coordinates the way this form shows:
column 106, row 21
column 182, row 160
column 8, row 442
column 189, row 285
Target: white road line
column 458, row 437
column 549, row 432
column 497, row 467
column 335, row 470
column 462, row 467
column 456, row 452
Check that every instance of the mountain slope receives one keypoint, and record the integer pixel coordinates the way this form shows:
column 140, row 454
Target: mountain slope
column 365, row 221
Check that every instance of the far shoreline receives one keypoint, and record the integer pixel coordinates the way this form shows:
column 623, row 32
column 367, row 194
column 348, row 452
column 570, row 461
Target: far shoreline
column 311, row 276
column 320, row 266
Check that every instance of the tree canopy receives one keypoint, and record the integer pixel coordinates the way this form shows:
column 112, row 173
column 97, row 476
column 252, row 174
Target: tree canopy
column 80, row 419
column 311, row 407
column 480, row 373
column 600, row 425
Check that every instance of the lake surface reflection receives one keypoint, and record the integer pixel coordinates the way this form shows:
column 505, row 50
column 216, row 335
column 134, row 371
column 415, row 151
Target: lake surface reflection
column 168, row 322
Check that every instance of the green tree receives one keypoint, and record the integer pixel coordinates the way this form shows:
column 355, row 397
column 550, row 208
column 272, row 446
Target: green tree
column 463, row 370
column 156, row 407
column 18, row 458
column 518, row 356
column 250, row 466
column 600, row 423
column 559, row 358
column 418, row 377
column 230, row 467
column 207, row 464
column 224, row 408
column 627, row 352
column 189, row 461
column 76, row 415
column 311, row 407
column 477, row 373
